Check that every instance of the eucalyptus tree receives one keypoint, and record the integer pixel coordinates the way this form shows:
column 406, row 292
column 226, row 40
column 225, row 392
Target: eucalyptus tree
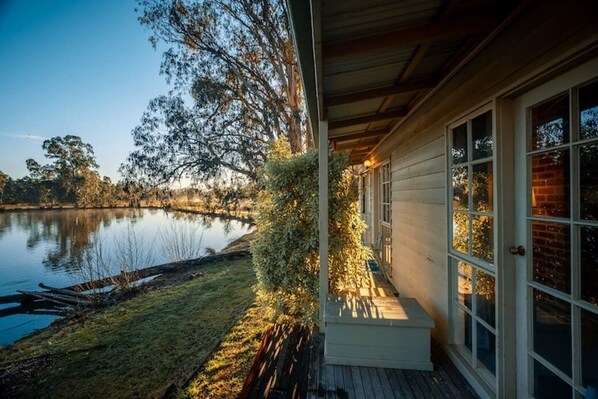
column 235, row 89
column 72, row 172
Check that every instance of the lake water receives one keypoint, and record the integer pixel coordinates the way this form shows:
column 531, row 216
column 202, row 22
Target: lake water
column 53, row 247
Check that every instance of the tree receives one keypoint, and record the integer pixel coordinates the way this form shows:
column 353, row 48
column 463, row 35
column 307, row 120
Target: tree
column 72, row 172
column 285, row 248
column 3, row 180
column 235, row 60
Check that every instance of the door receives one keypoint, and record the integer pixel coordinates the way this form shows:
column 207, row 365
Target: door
column 556, row 236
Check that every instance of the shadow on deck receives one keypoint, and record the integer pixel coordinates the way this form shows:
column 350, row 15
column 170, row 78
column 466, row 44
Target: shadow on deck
column 293, row 367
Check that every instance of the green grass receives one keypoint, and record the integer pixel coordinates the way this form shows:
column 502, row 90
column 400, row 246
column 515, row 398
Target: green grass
column 140, row 347
column 224, row 374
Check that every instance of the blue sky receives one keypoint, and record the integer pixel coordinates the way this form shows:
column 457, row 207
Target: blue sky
column 82, row 67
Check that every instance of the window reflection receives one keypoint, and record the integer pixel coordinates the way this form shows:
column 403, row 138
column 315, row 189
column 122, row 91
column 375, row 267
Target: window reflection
column 460, row 188
column 459, row 150
column 588, row 182
column 550, row 184
column 483, row 237
column 551, row 256
column 485, row 297
column 588, row 111
column 548, row 385
column 481, row 136
column 550, row 123
column 589, row 349
column 461, row 232
column 464, row 284
column 589, row 264
column 552, row 330
column 486, row 345
column 482, row 186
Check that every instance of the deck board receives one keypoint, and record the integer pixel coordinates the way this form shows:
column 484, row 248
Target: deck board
column 293, row 367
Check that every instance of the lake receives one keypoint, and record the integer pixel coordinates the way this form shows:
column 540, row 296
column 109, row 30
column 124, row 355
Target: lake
column 55, row 247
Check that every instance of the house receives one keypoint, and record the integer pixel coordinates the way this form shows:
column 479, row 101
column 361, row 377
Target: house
column 475, row 125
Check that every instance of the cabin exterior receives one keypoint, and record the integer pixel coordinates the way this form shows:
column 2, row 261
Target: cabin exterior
column 474, row 129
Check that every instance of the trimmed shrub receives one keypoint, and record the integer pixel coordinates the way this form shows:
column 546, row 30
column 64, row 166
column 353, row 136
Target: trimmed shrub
column 285, row 250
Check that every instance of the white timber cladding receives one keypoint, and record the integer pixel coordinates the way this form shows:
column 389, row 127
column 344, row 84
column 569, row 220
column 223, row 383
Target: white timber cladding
column 323, row 217
column 418, row 198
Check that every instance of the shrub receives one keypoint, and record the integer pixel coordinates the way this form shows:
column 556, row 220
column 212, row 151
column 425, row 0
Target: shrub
column 285, row 250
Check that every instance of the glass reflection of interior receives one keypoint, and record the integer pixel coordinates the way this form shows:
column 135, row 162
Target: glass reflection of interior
column 551, row 255
column 552, row 330
column 550, row 184
column 548, row 385
column 588, row 181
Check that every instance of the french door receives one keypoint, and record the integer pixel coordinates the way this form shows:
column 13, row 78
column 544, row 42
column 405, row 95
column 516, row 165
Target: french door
column 556, row 236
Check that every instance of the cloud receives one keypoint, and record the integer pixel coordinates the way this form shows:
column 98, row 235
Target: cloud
column 24, row 136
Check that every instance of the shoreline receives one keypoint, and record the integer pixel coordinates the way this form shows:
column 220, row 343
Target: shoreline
column 242, row 216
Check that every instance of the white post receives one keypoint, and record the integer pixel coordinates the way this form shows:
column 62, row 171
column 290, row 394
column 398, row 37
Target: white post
column 323, row 222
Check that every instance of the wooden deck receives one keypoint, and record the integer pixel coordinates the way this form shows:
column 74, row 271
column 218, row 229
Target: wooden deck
column 293, row 366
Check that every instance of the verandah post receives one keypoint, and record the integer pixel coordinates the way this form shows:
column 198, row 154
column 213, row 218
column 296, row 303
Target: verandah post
column 323, row 220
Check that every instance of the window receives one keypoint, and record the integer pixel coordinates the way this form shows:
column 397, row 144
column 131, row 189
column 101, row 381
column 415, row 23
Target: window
column 385, row 193
column 562, row 216
column 365, row 192
column 471, row 234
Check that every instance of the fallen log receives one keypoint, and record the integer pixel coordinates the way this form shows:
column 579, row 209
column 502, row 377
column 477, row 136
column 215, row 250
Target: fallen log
column 78, row 289
column 49, row 296
column 153, row 270
column 62, row 291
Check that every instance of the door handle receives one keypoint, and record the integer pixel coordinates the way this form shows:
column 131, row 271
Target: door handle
column 517, row 250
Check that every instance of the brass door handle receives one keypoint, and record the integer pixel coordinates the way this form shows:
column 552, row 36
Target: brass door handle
column 517, row 250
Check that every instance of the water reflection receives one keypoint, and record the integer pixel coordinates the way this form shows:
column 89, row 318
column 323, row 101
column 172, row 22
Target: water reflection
column 59, row 247
column 68, row 234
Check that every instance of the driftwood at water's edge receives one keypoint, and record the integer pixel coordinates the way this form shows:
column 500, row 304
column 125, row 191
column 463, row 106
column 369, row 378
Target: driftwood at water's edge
column 152, row 271
column 74, row 294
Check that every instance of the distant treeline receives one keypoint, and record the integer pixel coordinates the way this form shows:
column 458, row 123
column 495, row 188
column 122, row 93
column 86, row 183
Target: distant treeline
column 71, row 178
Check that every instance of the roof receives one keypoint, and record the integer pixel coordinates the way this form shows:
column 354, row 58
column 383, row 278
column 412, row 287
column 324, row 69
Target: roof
column 366, row 64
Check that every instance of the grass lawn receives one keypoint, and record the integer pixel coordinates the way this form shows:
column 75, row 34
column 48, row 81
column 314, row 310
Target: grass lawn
column 140, row 347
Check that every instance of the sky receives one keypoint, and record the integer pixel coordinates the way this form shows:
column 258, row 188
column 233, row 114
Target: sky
column 80, row 67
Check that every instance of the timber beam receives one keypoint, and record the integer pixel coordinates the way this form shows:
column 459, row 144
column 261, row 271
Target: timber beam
column 399, row 88
column 360, row 135
column 451, row 28
column 394, row 114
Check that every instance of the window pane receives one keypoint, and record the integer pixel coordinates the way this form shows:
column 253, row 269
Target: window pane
column 589, row 349
column 552, row 330
column 550, row 184
column 589, row 264
column 550, row 123
column 483, row 237
column 461, row 232
column 485, row 296
column 459, row 150
column 481, row 136
column 486, row 343
column 482, row 187
column 551, row 257
column 588, row 111
column 548, row 385
column 588, row 182
column 464, row 283
column 460, row 188
column 464, row 326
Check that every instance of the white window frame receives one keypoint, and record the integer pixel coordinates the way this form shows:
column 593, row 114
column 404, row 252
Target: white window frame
column 455, row 256
column 385, row 219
